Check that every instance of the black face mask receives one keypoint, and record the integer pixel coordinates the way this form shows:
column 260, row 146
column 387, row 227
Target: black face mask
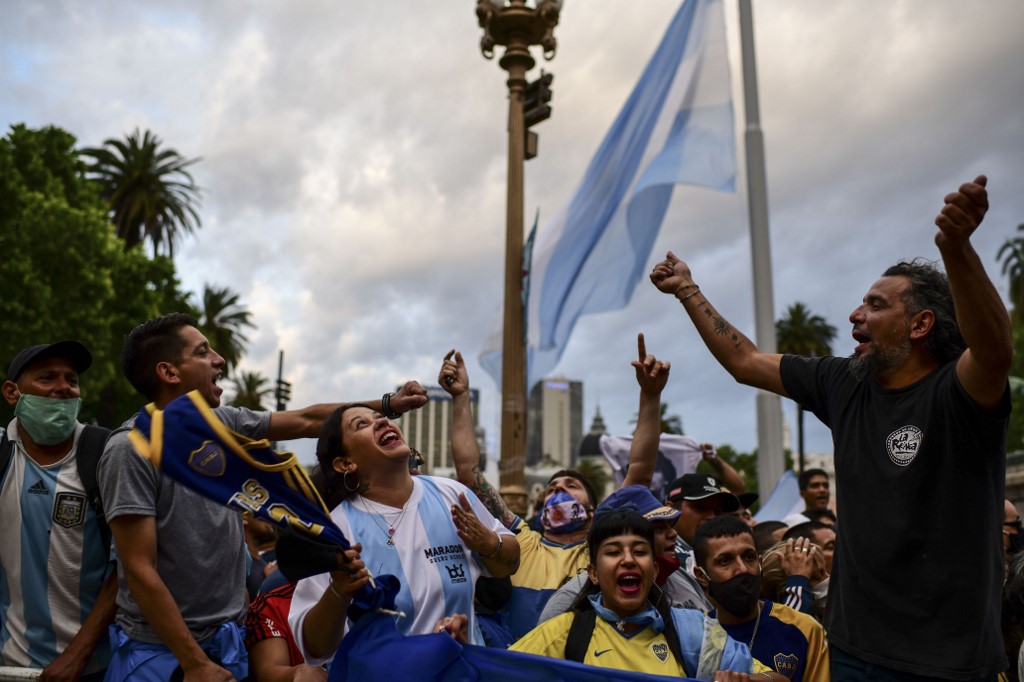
column 1016, row 543
column 738, row 595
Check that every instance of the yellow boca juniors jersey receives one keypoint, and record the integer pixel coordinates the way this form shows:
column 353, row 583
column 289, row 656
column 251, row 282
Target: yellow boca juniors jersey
column 644, row 652
column 544, row 567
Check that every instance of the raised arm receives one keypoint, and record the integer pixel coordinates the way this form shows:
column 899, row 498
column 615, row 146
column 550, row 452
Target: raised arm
column 651, row 375
column 465, row 452
column 734, row 351
column 984, row 366
column 729, row 477
column 306, row 422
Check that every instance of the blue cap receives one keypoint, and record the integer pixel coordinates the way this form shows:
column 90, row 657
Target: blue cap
column 642, row 499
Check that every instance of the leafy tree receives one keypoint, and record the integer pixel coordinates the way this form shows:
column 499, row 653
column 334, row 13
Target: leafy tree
column 801, row 333
column 64, row 275
column 221, row 319
column 745, row 464
column 251, row 389
column 1015, row 430
column 1011, row 255
column 149, row 189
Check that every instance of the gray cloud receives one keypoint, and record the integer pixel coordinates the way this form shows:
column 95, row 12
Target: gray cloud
column 354, row 168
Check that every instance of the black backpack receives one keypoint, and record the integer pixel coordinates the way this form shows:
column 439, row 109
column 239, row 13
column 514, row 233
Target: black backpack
column 90, row 448
column 582, row 630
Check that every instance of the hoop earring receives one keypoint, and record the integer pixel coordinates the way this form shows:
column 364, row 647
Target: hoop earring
column 344, row 482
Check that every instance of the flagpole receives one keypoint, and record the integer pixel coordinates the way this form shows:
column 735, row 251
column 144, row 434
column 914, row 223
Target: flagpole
column 515, row 26
column 770, row 459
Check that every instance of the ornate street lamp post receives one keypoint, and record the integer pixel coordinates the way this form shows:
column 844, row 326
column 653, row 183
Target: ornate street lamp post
column 516, row 26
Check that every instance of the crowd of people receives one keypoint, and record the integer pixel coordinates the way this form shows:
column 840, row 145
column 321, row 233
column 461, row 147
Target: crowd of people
column 110, row 570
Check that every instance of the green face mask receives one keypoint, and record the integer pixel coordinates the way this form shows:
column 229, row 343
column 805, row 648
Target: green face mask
column 48, row 420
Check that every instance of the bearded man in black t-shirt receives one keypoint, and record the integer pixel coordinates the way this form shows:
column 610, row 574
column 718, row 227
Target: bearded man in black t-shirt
column 918, row 416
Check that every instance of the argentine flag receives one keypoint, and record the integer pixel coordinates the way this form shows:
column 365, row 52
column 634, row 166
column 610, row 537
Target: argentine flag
column 676, row 127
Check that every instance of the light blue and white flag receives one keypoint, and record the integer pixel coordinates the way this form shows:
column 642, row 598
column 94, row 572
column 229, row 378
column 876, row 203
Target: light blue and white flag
column 677, row 455
column 676, row 127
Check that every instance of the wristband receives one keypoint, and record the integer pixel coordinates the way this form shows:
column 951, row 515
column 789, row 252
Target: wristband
column 385, row 407
column 691, row 294
column 337, row 594
column 497, row 550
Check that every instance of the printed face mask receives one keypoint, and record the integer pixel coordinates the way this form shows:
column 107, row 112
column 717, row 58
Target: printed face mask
column 667, row 565
column 48, row 420
column 737, row 595
column 562, row 513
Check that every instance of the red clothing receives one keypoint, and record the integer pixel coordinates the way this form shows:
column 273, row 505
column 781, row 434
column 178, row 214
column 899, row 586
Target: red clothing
column 268, row 617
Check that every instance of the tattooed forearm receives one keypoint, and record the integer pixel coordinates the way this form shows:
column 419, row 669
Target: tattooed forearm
column 492, row 499
column 722, row 327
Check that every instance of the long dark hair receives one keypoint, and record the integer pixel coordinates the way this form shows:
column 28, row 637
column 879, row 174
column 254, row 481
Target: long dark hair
column 330, row 446
column 609, row 524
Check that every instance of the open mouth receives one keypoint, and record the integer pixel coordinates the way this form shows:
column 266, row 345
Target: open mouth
column 863, row 341
column 388, row 438
column 630, row 583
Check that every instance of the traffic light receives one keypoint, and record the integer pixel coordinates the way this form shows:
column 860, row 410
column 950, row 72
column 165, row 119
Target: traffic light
column 283, row 393
column 536, row 98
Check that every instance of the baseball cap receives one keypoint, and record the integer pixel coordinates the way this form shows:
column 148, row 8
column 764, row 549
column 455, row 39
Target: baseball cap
column 747, row 499
column 74, row 351
column 695, row 487
column 640, row 498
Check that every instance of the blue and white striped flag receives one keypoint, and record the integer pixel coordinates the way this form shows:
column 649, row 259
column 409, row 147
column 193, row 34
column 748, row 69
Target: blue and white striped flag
column 676, row 127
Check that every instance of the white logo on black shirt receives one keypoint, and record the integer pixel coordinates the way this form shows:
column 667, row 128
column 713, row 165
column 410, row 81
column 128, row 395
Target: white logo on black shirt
column 903, row 444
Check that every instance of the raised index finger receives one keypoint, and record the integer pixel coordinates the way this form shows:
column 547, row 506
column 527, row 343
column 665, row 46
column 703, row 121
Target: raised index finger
column 450, row 354
column 641, row 347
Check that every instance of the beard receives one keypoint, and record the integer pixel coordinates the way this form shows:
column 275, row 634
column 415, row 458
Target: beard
column 881, row 359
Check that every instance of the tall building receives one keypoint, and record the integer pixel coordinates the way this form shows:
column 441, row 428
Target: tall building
column 554, row 422
column 428, row 430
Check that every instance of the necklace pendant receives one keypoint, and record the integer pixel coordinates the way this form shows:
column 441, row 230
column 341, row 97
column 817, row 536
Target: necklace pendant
column 391, row 531
column 621, row 626
column 391, row 542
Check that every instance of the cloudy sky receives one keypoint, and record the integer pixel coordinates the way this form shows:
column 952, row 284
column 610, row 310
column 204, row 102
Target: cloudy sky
column 353, row 168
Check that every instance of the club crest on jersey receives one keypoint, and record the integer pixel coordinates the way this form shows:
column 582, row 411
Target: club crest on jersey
column 69, row 510
column 208, row 459
column 660, row 650
column 786, row 664
column 456, row 573
column 903, row 444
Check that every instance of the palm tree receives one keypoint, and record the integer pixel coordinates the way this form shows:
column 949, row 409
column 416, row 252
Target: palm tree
column 670, row 423
column 596, row 475
column 801, row 333
column 221, row 320
column 1011, row 255
column 150, row 191
column 251, row 388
